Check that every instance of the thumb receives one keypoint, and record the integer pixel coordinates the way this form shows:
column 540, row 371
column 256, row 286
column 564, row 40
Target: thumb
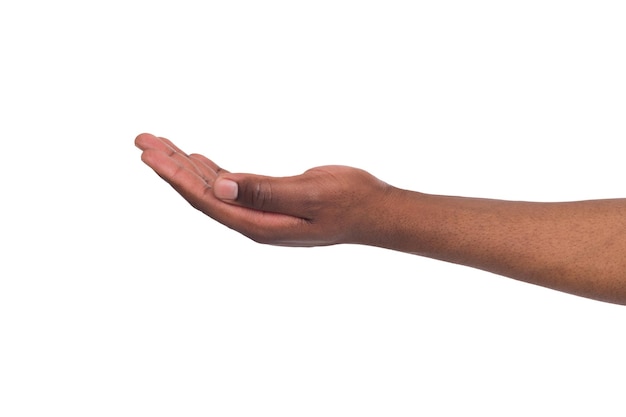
column 225, row 189
column 285, row 195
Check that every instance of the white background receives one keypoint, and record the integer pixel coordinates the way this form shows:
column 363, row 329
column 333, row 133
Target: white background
column 119, row 299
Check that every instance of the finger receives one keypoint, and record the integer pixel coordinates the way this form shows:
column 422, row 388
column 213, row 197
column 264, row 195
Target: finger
column 204, row 170
column 182, row 176
column 147, row 141
column 192, row 177
column 209, row 168
column 206, row 161
column 172, row 145
column 260, row 226
column 294, row 196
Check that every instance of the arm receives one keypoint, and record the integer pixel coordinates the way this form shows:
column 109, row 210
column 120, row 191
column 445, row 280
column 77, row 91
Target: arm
column 575, row 247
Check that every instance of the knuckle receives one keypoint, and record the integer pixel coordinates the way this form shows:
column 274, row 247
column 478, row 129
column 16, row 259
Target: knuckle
column 258, row 194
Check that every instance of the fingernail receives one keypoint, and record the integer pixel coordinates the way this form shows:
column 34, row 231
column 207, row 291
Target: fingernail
column 225, row 189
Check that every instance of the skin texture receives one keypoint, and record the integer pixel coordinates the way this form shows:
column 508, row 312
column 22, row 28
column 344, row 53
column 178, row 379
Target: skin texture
column 575, row 247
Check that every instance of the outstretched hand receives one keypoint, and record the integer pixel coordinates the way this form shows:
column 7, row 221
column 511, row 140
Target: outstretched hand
column 576, row 247
column 323, row 206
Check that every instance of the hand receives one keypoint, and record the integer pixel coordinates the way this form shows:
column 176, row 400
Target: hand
column 324, row 206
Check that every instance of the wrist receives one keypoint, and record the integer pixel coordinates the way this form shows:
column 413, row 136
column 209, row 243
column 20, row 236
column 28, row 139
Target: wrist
column 386, row 217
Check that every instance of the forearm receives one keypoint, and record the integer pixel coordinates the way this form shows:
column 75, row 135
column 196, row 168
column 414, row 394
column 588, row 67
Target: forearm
column 576, row 247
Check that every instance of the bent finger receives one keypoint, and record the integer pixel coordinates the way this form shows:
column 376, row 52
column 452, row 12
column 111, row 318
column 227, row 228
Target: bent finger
column 294, row 196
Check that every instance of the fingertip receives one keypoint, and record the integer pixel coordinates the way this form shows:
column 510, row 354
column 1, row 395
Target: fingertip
column 143, row 139
column 225, row 189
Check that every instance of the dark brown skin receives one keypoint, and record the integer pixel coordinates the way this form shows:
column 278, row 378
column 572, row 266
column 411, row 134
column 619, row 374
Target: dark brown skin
column 575, row 247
